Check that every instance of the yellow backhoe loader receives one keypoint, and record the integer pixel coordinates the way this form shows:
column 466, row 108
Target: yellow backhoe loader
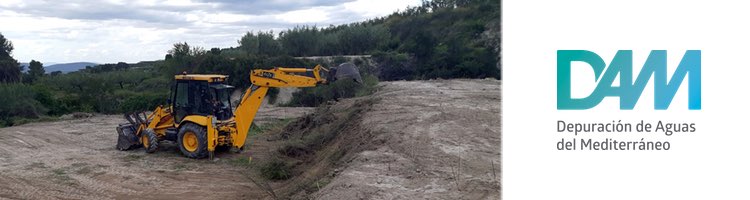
column 199, row 115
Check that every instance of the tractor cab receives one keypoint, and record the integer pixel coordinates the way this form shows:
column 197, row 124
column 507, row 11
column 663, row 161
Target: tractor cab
column 220, row 102
column 201, row 95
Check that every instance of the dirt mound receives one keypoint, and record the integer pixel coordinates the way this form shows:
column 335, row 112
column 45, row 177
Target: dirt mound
column 312, row 146
column 425, row 139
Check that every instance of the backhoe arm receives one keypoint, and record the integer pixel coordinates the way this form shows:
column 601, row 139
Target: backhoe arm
column 284, row 77
column 261, row 80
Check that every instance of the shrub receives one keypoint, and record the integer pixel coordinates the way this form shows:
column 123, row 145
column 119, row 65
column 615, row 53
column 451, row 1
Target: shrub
column 345, row 88
column 142, row 102
column 19, row 101
column 272, row 95
column 276, row 169
column 394, row 66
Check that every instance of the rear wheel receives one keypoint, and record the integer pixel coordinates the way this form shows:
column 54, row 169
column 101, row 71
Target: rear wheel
column 149, row 140
column 192, row 141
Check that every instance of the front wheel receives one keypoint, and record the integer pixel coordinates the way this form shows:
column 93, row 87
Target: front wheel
column 193, row 141
column 149, row 140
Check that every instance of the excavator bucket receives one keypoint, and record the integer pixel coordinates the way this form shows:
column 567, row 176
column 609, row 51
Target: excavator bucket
column 347, row 71
column 126, row 138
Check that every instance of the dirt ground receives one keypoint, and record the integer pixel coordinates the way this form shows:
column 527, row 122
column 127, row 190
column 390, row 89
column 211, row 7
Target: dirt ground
column 76, row 159
column 437, row 140
column 418, row 140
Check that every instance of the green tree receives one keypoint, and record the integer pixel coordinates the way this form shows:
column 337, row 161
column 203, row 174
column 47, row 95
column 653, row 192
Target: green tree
column 180, row 50
column 261, row 43
column 301, row 41
column 215, row 51
column 6, row 47
column 182, row 58
column 36, row 70
column 10, row 70
column 360, row 39
column 121, row 66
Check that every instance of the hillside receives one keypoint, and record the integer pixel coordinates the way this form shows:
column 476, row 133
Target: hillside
column 62, row 67
column 68, row 67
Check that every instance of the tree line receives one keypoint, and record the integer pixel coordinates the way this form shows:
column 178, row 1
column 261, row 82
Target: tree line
column 439, row 39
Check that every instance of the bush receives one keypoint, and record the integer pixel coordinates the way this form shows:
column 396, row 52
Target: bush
column 272, row 95
column 142, row 102
column 19, row 101
column 394, row 66
column 276, row 169
column 104, row 92
column 346, row 88
column 368, row 87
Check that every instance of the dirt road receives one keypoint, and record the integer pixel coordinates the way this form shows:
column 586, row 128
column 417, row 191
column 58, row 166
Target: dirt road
column 419, row 140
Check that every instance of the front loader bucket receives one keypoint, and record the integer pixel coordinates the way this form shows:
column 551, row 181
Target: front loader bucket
column 347, row 70
column 126, row 138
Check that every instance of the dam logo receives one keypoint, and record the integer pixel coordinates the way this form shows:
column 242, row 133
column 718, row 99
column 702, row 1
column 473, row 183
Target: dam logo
column 629, row 91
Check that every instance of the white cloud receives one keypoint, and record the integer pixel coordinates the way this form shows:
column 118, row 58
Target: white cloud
column 312, row 15
column 14, row 2
column 370, row 9
column 132, row 31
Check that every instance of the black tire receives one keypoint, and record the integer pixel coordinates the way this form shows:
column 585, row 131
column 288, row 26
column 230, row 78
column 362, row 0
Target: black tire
column 193, row 149
column 152, row 141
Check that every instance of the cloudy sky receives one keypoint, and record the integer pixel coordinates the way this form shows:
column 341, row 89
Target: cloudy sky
column 57, row 31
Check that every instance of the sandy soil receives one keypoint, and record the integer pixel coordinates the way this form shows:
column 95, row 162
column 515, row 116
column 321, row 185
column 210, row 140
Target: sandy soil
column 439, row 140
column 76, row 159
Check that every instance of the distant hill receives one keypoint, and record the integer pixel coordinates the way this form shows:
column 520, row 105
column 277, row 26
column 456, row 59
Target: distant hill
column 67, row 67
column 63, row 67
